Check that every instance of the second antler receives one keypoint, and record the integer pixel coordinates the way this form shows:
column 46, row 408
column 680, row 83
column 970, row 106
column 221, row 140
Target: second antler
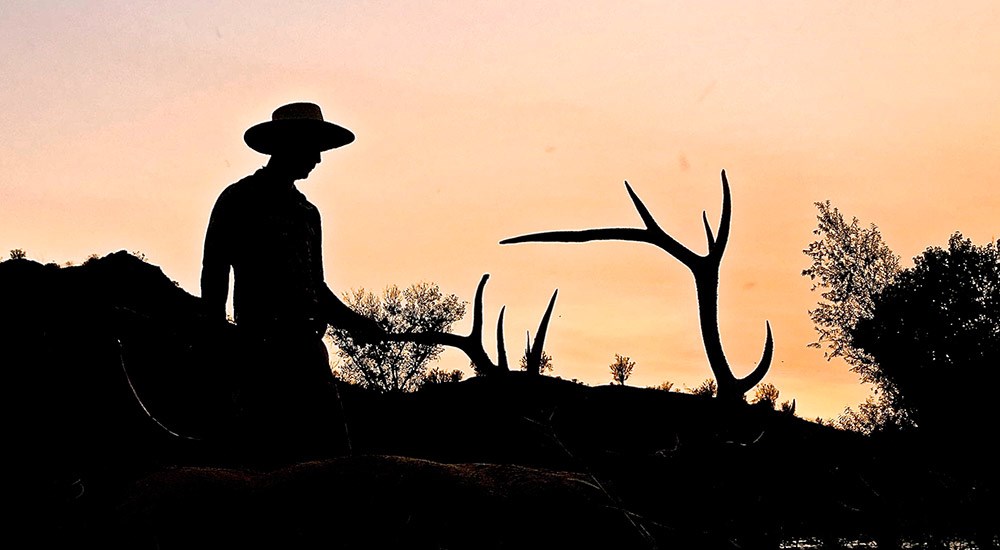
column 706, row 277
column 472, row 344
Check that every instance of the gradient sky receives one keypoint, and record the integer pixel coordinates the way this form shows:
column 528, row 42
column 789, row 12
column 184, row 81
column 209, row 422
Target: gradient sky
column 122, row 122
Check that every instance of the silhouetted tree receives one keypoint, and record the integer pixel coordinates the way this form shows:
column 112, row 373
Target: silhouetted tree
column 766, row 394
column 393, row 366
column 939, row 323
column 621, row 369
column 708, row 388
column 18, row 254
column 853, row 264
column 876, row 414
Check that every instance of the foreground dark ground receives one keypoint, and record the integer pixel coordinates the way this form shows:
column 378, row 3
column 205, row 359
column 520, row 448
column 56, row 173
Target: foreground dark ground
column 514, row 461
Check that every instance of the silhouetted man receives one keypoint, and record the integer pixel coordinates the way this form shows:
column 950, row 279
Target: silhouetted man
column 270, row 235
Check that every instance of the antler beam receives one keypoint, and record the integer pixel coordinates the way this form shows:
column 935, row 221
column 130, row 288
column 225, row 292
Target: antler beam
column 706, row 276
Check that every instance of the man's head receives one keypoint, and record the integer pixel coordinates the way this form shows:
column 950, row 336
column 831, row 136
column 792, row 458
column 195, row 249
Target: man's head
column 295, row 164
column 297, row 134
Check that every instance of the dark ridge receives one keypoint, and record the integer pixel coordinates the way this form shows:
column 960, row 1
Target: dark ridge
column 518, row 461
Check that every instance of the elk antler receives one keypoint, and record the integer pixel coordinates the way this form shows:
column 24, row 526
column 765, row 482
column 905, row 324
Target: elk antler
column 706, row 277
column 533, row 352
column 472, row 344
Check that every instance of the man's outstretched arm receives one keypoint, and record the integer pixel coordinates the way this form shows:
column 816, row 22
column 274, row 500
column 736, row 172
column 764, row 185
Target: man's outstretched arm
column 339, row 314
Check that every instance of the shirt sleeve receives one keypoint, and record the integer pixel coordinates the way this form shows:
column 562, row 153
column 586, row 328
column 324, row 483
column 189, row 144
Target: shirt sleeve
column 217, row 258
column 335, row 311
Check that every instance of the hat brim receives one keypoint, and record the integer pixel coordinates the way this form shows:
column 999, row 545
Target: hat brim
column 276, row 136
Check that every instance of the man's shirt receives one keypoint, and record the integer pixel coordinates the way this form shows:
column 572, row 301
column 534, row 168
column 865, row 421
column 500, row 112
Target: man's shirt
column 271, row 236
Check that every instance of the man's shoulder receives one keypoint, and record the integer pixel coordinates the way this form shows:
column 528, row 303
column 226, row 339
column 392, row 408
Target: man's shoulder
column 303, row 201
column 241, row 188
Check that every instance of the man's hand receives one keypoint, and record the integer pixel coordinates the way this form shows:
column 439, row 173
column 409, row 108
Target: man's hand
column 365, row 331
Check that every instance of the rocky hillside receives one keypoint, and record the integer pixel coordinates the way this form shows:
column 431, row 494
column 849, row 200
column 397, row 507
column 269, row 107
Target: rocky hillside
column 118, row 407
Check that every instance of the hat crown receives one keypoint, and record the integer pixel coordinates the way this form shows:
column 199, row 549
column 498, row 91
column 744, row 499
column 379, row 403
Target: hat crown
column 298, row 111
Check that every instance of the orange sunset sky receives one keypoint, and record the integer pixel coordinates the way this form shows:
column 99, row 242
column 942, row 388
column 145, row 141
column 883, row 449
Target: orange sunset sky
column 476, row 121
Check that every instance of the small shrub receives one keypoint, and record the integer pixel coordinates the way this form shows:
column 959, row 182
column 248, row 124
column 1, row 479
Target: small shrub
column 788, row 407
column 666, row 385
column 766, row 394
column 621, row 369
column 708, row 388
column 436, row 377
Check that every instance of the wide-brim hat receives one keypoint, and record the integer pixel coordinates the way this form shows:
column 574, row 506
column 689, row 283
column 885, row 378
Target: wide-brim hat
column 296, row 127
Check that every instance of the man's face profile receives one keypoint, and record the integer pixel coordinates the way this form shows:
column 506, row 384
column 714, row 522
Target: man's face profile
column 295, row 164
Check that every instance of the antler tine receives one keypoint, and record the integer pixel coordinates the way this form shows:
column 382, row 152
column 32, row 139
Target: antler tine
column 657, row 236
column 501, row 346
column 477, row 309
column 647, row 218
column 472, row 344
column 708, row 231
column 536, row 348
column 758, row 373
column 725, row 222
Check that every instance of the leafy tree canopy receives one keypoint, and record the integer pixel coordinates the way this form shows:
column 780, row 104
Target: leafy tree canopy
column 937, row 325
column 396, row 366
column 852, row 264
